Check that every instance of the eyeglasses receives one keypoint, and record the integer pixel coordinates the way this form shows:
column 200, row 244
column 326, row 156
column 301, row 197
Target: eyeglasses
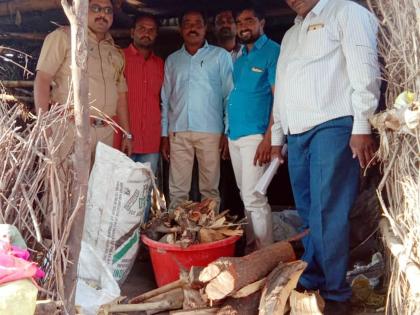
column 98, row 9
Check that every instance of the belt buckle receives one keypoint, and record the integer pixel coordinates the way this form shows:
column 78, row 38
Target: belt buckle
column 97, row 123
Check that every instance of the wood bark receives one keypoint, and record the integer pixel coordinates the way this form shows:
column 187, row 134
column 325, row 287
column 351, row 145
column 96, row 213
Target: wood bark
column 244, row 306
column 78, row 17
column 163, row 289
column 280, row 283
column 229, row 274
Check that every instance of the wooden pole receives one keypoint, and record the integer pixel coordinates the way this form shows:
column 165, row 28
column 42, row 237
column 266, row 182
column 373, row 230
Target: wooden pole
column 12, row 6
column 78, row 17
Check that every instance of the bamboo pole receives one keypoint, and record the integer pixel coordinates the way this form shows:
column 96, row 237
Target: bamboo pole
column 78, row 17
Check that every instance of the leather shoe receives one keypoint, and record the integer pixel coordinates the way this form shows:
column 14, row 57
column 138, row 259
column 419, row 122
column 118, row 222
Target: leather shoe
column 337, row 308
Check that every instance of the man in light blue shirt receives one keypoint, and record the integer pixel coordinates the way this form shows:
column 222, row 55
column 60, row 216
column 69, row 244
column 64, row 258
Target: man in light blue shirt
column 197, row 82
column 249, row 113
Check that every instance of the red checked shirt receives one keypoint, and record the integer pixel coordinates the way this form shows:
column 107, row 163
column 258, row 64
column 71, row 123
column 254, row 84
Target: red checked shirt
column 144, row 80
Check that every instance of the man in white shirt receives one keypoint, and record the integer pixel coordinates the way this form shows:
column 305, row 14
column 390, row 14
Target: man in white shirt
column 326, row 88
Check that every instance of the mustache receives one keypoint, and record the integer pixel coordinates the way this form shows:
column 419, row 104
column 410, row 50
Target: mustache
column 223, row 29
column 101, row 18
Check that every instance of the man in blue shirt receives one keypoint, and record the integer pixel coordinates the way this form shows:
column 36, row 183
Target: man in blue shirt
column 197, row 82
column 249, row 120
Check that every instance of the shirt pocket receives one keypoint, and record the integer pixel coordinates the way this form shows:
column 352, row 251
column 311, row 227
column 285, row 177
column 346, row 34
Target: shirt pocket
column 320, row 42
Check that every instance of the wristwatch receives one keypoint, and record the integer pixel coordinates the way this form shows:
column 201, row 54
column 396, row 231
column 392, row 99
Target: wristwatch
column 127, row 136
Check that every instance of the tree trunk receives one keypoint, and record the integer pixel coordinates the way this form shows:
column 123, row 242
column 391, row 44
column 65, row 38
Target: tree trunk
column 78, row 17
column 229, row 274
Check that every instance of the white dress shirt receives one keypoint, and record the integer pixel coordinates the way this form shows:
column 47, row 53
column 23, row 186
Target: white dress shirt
column 328, row 68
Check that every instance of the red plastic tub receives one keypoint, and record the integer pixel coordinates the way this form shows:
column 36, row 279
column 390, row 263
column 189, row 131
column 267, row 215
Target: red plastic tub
column 167, row 258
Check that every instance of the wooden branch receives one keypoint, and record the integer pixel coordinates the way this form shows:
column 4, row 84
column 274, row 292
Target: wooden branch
column 150, row 294
column 227, row 275
column 197, row 311
column 115, row 308
column 399, row 251
column 12, row 6
column 78, row 17
column 280, row 283
column 175, row 299
column 15, row 98
column 17, row 84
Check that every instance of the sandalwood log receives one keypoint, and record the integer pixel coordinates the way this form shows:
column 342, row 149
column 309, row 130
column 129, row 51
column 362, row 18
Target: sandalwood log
column 199, row 311
column 150, row 294
column 244, row 306
column 280, row 283
column 227, row 275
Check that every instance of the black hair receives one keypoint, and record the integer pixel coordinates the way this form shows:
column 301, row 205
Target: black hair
column 147, row 16
column 191, row 10
column 257, row 9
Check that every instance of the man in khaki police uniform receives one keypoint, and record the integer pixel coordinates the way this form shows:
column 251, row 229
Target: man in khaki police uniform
column 107, row 86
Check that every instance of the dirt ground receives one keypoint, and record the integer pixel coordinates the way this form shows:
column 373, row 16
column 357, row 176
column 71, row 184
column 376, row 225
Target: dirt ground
column 141, row 279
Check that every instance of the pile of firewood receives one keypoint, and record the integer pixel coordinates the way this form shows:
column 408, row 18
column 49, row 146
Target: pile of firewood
column 259, row 283
column 193, row 223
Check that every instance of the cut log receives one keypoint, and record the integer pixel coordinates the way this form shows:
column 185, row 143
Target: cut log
column 200, row 311
column 250, row 289
column 281, row 281
column 243, row 306
column 175, row 299
column 229, row 274
column 150, row 294
column 308, row 303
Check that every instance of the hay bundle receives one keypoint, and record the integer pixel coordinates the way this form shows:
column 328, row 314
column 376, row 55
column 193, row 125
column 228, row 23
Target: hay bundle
column 35, row 187
column 399, row 129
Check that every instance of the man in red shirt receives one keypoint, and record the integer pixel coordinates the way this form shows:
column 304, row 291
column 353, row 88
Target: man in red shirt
column 144, row 75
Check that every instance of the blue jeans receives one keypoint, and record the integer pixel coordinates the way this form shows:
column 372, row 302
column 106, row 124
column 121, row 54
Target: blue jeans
column 153, row 159
column 325, row 181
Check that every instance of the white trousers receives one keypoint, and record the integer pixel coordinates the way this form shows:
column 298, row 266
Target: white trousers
column 259, row 231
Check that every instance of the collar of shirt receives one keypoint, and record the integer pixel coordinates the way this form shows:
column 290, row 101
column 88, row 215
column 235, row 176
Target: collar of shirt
column 206, row 45
column 107, row 38
column 257, row 45
column 316, row 10
column 134, row 52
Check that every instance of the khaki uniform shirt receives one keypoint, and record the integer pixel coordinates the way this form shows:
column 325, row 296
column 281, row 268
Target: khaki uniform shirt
column 105, row 69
